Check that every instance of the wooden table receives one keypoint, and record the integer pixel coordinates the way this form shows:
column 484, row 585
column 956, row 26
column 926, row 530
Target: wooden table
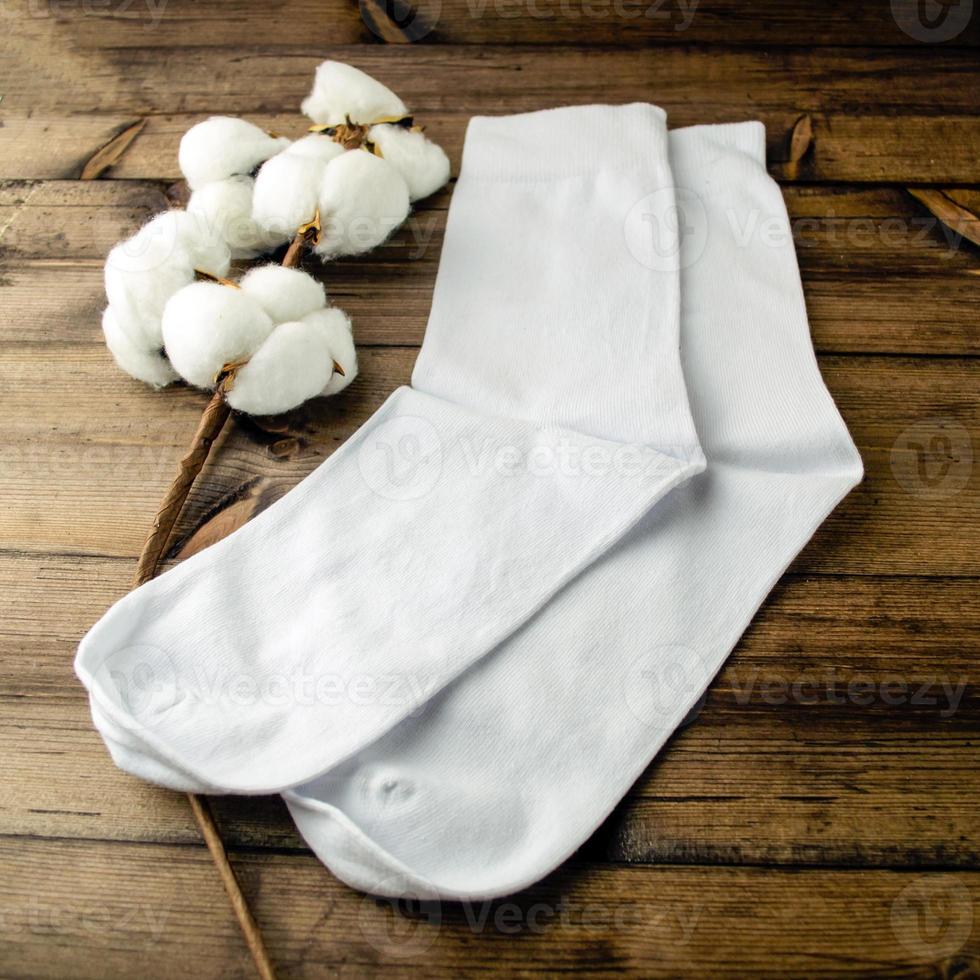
column 820, row 817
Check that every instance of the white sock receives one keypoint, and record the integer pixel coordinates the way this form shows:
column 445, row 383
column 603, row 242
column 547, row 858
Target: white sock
column 547, row 415
column 509, row 769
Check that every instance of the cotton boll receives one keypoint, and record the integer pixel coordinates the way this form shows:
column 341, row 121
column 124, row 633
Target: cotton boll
column 139, row 296
column 224, row 208
column 335, row 327
column 223, row 146
column 341, row 90
column 207, row 325
column 206, row 250
column 423, row 164
column 285, row 294
column 150, row 366
column 161, row 241
column 294, row 364
column 362, row 200
column 142, row 273
column 285, row 195
column 316, row 146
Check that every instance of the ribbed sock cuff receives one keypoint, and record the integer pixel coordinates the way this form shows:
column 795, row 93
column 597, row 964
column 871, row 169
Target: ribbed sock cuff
column 714, row 157
column 567, row 142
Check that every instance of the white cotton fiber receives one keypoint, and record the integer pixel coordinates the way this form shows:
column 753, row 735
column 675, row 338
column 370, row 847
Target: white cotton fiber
column 341, row 90
column 207, row 325
column 149, row 365
column 144, row 271
column 139, row 295
column 294, row 364
column 223, row 146
column 285, row 294
column 224, row 209
column 208, row 250
column 317, row 146
column 285, row 195
column 205, row 250
column 335, row 327
column 362, row 200
column 422, row 163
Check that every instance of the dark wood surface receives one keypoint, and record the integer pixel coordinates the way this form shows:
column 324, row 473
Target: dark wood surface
column 833, row 832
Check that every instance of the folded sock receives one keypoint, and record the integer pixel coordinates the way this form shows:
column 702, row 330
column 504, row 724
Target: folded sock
column 547, row 415
column 510, row 768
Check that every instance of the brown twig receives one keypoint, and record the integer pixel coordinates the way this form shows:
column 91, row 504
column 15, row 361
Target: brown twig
column 213, row 419
column 250, row 928
column 215, row 415
column 306, row 236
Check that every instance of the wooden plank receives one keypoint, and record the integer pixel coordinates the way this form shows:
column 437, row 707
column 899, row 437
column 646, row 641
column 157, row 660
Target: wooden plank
column 653, row 922
column 837, row 733
column 833, row 226
column 90, row 482
column 765, row 775
column 852, row 95
column 882, row 275
column 617, row 23
column 859, row 148
column 845, row 792
column 388, row 296
column 85, row 909
column 72, row 905
column 73, row 219
column 83, row 795
column 813, row 746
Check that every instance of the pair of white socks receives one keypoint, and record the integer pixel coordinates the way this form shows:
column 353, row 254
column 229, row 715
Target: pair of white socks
column 456, row 645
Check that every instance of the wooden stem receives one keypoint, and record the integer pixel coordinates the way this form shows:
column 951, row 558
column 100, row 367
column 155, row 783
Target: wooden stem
column 215, row 415
column 212, row 421
column 295, row 251
column 208, row 429
column 308, row 234
column 250, row 928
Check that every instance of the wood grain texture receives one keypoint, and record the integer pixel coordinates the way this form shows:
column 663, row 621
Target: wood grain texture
column 107, row 466
column 593, row 920
column 858, row 148
column 818, row 815
column 618, row 23
column 882, row 274
column 852, row 97
column 812, row 747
